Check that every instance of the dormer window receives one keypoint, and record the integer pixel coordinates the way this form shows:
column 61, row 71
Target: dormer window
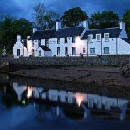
column 47, row 42
column 90, row 37
column 73, row 39
column 65, row 39
column 106, row 36
column 98, row 37
column 58, row 40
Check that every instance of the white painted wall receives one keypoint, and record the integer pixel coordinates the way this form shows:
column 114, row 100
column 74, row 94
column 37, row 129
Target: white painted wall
column 79, row 44
column 123, row 47
column 20, row 46
column 116, row 46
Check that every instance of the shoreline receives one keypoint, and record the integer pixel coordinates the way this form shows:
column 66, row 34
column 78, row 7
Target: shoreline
column 100, row 75
column 104, row 80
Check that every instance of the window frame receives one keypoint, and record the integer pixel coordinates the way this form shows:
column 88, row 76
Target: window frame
column 92, row 51
column 74, row 39
column 18, row 52
column 91, row 37
column 108, row 50
column 47, row 42
column 106, row 40
column 97, row 37
column 58, row 40
column 73, row 48
column 66, row 50
column 84, row 50
column 58, row 51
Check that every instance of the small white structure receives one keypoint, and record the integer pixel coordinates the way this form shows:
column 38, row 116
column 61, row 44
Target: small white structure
column 29, row 47
column 74, row 41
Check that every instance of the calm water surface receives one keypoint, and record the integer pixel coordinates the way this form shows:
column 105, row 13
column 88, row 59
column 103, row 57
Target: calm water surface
column 25, row 107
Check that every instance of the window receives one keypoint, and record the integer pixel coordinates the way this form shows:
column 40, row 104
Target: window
column 39, row 42
column 65, row 39
column 73, row 50
column 98, row 37
column 73, row 39
column 58, row 40
column 58, row 50
column 32, row 44
column 90, row 37
column 106, row 36
column 66, row 50
column 84, row 51
column 92, row 50
column 33, row 53
column 18, row 52
column 47, row 42
column 40, row 53
column 106, row 50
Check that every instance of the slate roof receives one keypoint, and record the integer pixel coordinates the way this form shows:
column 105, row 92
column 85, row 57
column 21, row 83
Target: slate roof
column 61, row 33
column 45, row 48
column 127, row 40
column 113, row 32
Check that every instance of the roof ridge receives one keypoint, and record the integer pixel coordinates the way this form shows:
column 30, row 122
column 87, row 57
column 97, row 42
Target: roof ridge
column 103, row 28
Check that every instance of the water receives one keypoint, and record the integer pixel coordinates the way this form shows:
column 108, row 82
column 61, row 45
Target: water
column 30, row 107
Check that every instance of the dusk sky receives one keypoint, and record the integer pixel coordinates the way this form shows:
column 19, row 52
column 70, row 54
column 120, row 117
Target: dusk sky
column 23, row 8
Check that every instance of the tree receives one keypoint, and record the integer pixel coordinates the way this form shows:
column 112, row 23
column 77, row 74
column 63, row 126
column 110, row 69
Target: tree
column 105, row 19
column 38, row 15
column 6, row 33
column 44, row 18
column 73, row 17
column 126, row 19
column 10, row 28
column 22, row 27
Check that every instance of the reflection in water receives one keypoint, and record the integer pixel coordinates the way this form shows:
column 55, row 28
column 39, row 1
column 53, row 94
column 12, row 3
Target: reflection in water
column 57, row 103
column 79, row 98
column 29, row 92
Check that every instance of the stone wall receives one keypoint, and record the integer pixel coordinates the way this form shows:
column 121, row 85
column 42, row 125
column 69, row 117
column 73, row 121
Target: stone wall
column 67, row 61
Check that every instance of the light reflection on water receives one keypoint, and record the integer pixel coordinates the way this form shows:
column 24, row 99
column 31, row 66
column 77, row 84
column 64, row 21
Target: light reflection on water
column 95, row 103
column 28, row 105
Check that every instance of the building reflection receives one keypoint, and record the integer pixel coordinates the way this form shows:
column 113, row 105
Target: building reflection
column 72, row 104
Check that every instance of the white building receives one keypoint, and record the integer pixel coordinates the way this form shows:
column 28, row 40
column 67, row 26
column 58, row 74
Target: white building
column 109, row 41
column 74, row 41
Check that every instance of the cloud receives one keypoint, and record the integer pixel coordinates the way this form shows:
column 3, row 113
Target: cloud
column 24, row 8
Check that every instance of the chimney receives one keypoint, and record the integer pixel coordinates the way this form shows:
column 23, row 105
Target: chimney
column 18, row 38
column 85, row 24
column 122, row 25
column 34, row 30
column 58, row 25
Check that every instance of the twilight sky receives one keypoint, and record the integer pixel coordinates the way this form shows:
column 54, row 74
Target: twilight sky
column 23, row 8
